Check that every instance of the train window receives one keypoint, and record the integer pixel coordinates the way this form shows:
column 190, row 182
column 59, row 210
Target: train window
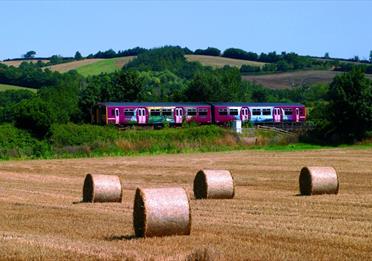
column 167, row 112
column 256, row 112
column 116, row 112
column 191, row 112
column 128, row 112
column 113, row 112
column 222, row 111
column 266, row 112
column 203, row 112
column 288, row 111
column 233, row 112
column 155, row 112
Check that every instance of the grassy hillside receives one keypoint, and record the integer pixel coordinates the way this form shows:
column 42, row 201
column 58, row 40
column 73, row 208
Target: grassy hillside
column 216, row 61
column 65, row 67
column 104, row 66
column 4, row 87
column 291, row 79
column 92, row 66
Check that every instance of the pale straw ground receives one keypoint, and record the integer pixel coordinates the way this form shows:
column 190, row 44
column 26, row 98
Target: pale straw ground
column 41, row 217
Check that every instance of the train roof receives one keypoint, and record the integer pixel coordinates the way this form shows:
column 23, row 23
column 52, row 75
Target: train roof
column 256, row 104
column 154, row 104
column 171, row 104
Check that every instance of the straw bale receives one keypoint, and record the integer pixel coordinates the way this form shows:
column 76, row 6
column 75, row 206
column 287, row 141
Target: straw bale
column 214, row 184
column 161, row 212
column 318, row 180
column 102, row 188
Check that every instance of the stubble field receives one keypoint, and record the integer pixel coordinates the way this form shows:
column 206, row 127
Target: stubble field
column 293, row 79
column 41, row 216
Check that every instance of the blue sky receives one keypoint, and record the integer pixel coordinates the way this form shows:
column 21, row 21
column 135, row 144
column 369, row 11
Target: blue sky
column 342, row 28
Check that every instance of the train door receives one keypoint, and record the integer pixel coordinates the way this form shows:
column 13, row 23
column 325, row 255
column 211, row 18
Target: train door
column 277, row 115
column 244, row 114
column 141, row 116
column 117, row 119
column 297, row 114
column 178, row 115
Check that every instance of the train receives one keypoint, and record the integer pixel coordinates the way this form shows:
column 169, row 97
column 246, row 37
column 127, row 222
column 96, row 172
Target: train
column 176, row 113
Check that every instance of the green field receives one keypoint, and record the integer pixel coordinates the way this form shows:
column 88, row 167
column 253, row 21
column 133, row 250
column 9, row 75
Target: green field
column 103, row 66
column 88, row 67
column 4, row 87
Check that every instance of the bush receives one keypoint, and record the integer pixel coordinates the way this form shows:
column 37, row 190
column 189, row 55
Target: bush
column 249, row 68
column 71, row 139
column 16, row 143
column 35, row 115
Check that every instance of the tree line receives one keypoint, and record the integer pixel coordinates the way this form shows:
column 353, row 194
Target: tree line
column 275, row 62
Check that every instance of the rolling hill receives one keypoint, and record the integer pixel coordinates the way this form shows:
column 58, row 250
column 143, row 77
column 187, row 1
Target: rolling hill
column 4, row 87
column 88, row 67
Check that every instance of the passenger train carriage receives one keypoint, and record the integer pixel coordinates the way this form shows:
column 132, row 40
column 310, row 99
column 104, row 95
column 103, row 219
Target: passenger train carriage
column 173, row 113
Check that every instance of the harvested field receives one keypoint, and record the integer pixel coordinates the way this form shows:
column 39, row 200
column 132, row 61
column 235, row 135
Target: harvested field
column 266, row 220
column 219, row 62
column 292, row 79
column 65, row 67
column 16, row 63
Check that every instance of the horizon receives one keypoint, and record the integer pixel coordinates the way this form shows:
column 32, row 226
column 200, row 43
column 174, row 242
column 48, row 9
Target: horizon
column 306, row 28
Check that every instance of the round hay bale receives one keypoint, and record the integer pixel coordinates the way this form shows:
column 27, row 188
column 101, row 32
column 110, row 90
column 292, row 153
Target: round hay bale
column 102, row 188
column 217, row 184
column 161, row 212
column 318, row 180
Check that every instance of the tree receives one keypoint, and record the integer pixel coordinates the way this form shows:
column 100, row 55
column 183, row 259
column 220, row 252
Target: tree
column 127, row 86
column 211, row 51
column 35, row 115
column 350, row 108
column 326, row 55
column 218, row 85
column 78, row 56
column 56, row 59
column 240, row 54
column 29, row 55
column 370, row 56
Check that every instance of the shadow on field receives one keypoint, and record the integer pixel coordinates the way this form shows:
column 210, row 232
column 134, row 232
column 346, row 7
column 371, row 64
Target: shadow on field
column 125, row 237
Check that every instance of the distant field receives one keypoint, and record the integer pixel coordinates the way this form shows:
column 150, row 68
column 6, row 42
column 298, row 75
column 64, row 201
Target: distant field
column 104, row 66
column 41, row 217
column 216, row 61
column 18, row 62
column 4, row 87
column 291, row 79
column 92, row 66
column 65, row 67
